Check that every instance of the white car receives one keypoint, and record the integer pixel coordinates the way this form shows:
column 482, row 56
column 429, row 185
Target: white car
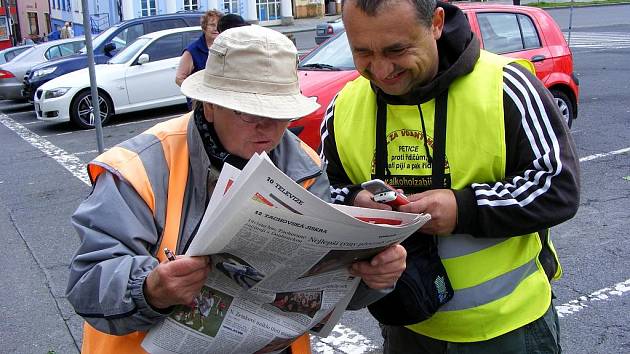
column 142, row 76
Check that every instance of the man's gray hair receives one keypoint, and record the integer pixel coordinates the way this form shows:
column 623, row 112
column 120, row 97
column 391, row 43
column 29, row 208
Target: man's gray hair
column 424, row 8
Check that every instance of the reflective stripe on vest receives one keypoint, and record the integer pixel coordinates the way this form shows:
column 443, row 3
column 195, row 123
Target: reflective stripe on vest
column 155, row 163
column 499, row 284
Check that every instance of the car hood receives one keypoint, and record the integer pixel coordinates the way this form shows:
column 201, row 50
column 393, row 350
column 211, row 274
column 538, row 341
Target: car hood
column 315, row 82
column 81, row 78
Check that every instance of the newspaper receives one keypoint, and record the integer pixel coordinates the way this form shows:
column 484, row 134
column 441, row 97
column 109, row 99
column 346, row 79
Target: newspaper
column 280, row 259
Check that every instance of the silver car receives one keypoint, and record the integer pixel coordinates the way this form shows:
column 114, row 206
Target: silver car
column 328, row 29
column 6, row 55
column 12, row 73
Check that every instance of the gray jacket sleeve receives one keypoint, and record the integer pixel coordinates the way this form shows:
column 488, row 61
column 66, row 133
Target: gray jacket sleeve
column 107, row 273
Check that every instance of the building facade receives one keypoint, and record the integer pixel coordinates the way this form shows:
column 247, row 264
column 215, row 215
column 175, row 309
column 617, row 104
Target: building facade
column 105, row 13
column 33, row 19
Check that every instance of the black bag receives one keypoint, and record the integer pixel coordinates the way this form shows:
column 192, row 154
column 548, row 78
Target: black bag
column 423, row 287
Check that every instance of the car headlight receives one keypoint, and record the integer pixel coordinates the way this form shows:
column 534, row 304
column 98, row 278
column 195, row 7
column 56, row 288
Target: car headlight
column 43, row 72
column 56, row 92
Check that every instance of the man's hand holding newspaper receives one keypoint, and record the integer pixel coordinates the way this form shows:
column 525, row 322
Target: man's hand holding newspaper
column 283, row 262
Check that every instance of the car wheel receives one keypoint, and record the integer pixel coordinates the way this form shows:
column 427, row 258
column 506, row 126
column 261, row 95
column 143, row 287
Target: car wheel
column 81, row 109
column 564, row 105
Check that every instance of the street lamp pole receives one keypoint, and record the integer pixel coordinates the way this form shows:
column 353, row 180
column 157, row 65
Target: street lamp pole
column 96, row 109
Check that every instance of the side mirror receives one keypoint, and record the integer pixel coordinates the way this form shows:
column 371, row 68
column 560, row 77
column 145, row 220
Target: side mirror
column 109, row 47
column 143, row 59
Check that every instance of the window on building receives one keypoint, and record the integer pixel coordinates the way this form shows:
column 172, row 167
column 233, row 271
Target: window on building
column 191, row 5
column 33, row 26
column 268, row 10
column 230, row 6
column 149, row 7
column 47, row 19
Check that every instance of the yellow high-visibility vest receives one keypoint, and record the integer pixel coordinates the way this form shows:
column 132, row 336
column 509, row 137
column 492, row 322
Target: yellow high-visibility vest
column 499, row 284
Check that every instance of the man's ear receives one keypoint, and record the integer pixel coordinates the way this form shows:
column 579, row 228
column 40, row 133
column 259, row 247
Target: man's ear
column 437, row 23
column 208, row 112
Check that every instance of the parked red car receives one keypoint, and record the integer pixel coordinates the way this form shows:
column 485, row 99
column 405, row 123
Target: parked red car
column 515, row 31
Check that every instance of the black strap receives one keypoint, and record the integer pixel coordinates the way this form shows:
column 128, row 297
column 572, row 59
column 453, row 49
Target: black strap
column 439, row 141
column 380, row 160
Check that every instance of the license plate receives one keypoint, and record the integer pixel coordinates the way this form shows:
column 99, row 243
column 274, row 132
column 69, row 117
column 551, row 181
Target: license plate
column 37, row 109
column 36, row 106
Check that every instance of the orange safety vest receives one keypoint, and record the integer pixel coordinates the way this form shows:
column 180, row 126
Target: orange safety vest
column 173, row 136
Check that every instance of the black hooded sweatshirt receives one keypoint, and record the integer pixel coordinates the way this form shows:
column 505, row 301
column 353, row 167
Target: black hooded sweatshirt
column 539, row 149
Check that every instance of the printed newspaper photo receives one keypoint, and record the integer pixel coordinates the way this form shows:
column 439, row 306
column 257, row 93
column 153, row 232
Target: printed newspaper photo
column 280, row 259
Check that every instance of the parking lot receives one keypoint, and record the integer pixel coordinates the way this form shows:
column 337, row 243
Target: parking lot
column 42, row 180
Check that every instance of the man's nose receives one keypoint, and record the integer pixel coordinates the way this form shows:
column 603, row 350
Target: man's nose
column 381, row 68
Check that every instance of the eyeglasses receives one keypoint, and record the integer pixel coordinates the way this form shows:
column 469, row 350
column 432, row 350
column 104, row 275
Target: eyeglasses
column 253, row 119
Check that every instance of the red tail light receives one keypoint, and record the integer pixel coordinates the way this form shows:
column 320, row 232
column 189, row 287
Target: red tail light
column 329, row 30
column 6, row 74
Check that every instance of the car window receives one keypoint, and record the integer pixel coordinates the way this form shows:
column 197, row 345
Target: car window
column 126, row 54
column 77, row 46
column 52, row 52
column 128, row 35
column 190, row 37
column 101, row 37
column 335, row 53
column 155, row 26
column 10, row 55
column 67, row 49
column 164, row 48
column 501, row 32
column 530, row 35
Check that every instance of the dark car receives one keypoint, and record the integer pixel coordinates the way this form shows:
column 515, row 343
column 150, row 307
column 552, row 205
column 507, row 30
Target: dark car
column 105, row 45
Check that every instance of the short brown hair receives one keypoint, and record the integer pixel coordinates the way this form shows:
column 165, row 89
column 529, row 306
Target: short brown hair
column 424, row 8
column 208, row 16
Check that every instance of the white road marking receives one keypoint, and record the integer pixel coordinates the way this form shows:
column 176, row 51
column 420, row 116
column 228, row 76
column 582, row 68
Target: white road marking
column 65, row 159
column 604, row 40
column 147, row 120
column 87, row 152
column 604, row 294
column 596, row 156
column 58, row 134
column 342, row 339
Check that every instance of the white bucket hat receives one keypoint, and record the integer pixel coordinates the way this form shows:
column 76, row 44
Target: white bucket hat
column 251, row 69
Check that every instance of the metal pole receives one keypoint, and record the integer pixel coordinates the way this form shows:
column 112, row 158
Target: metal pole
column 570, row 24
column 96, row 110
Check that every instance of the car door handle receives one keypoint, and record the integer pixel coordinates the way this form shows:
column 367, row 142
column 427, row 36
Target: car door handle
column 537, row 58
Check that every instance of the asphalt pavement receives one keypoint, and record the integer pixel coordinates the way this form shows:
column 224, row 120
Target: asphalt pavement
column 37, row 195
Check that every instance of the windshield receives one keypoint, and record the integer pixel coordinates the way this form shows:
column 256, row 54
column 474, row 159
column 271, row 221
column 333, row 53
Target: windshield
column 100, row 38
column 332, row 55
column 128, row 53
